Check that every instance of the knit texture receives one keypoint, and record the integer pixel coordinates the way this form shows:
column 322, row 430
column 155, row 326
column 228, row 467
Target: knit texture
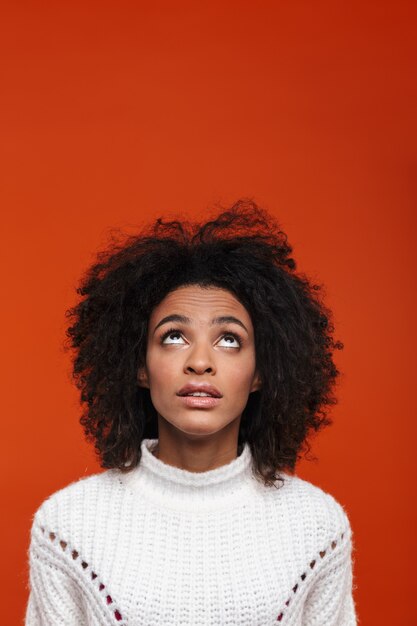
column 164, row 546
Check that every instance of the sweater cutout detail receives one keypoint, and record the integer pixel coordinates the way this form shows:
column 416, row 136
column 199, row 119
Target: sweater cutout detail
column 303, row 576
column 88, row 571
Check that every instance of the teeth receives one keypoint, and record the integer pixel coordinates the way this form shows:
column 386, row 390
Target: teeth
column 199, row 393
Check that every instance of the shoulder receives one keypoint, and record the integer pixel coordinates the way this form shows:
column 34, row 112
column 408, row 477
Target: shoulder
column 79, row 501
column 306, row 504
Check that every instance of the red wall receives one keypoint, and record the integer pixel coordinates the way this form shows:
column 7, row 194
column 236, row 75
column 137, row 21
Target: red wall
column 115, row 113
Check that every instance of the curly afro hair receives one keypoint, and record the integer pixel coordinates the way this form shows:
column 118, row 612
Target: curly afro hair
column 241, row 249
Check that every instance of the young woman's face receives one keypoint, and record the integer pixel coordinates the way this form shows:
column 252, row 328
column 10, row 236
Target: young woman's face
column 180, row 352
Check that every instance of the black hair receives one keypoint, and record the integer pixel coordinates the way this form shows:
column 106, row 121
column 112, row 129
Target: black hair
column 241, row 249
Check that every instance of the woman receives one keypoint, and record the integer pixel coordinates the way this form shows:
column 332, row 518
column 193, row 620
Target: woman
column 204, row 362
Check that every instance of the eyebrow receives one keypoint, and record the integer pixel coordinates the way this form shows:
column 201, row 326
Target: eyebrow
column 183, row 319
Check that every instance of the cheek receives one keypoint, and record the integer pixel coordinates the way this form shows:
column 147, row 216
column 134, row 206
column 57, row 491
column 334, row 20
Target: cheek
column 238, row 375
column 160, row 367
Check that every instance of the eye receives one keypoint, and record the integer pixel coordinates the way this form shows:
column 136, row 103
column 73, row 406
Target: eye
column 235, row 338
column 174, row 332
column 169, row 333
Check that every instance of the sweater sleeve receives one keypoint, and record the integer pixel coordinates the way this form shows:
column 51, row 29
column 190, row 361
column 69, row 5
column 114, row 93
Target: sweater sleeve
column 330, row 601
column 54, row 595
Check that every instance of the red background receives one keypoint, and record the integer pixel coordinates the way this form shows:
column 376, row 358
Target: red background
column 113, row 114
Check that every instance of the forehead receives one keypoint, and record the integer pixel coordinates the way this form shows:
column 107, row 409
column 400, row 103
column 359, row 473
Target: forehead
column 200, row 303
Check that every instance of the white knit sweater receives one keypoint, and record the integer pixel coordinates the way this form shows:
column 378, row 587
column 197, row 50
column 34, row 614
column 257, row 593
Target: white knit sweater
column 165, row 546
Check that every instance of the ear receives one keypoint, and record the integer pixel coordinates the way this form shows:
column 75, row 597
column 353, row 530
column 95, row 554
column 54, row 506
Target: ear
column 142, row 377
column 257, row 383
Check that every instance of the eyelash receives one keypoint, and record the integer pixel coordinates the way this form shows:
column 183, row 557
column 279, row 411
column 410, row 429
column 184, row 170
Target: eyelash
column 175, row 330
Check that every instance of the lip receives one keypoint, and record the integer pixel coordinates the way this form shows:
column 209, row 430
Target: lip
column 202, row 387
column 199, row 402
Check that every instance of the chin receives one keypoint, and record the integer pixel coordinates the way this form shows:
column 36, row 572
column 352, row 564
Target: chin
column 199, row 425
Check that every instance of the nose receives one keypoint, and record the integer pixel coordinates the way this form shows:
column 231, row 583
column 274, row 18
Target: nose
column 200, row 359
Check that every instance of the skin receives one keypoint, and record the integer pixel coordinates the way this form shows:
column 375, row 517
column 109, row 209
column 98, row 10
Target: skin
column 190, row 438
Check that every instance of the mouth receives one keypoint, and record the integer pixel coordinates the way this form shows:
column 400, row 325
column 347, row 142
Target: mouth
column 199, row 389
column 199, row 401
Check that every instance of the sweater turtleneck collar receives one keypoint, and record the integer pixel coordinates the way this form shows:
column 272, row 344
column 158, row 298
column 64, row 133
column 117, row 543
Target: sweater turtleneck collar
column 175, row 488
